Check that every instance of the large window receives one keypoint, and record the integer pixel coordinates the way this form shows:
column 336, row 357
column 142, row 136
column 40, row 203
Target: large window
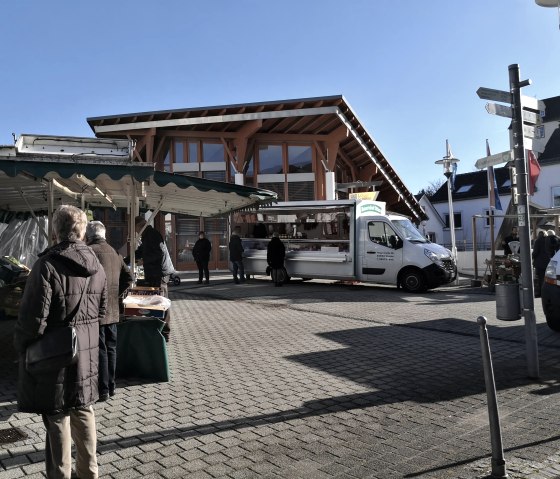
column 212, row 152
column 179, row 152
column 193, row 152
column 300, row 159
column 555, row 196
column 270, row 159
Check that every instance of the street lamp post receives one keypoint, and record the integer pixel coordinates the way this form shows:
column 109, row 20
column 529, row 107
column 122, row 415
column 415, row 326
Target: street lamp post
column 448, row 161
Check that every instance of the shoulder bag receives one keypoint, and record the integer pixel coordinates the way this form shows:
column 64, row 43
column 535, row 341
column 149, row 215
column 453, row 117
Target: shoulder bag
column 55, row 350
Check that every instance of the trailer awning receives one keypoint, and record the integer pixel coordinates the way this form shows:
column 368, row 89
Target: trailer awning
column 25, row 186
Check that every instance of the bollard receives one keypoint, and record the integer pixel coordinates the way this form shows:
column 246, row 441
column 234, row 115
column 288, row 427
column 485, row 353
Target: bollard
column 498, row 461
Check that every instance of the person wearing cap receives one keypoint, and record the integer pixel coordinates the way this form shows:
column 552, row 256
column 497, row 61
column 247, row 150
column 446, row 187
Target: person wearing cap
column 201, row 254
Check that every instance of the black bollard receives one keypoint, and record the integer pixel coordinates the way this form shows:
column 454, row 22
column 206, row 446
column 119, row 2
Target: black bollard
column 498, row 461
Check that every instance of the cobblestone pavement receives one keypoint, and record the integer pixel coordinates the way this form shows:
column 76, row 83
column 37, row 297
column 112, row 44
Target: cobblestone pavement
column 319, row 380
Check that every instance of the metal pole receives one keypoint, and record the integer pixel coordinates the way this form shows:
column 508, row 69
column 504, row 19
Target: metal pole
column 475, row 248
column 498, row 462
column 531, row 345
column 452, row 225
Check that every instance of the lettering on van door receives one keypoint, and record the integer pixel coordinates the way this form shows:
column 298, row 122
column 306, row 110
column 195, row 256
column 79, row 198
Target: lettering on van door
column 383, row 253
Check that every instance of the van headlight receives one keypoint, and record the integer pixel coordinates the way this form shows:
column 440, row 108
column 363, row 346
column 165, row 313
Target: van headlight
column 432, row 256
column 550, row 273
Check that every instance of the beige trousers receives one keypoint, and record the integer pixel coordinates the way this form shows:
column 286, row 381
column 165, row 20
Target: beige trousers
column 76, row 425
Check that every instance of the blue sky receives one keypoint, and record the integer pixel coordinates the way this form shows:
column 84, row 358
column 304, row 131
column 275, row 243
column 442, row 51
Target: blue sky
column 409, row 69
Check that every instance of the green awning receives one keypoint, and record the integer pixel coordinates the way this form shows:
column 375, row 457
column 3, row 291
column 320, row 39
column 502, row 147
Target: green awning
column 24, row 186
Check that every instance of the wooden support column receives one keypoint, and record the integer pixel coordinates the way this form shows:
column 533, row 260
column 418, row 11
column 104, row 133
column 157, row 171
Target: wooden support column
column 241, row 141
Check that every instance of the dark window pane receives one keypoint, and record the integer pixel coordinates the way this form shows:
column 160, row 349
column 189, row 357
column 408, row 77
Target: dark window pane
column 270, row 159
column 212, row 152
column 300, row 159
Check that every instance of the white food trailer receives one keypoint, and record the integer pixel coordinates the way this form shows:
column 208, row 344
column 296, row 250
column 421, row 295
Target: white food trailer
column 352, row 240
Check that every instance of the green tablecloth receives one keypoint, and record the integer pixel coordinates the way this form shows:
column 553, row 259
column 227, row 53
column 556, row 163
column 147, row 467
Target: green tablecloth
column 142, row 350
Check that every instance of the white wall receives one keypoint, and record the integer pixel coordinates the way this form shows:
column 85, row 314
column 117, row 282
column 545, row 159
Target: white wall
column 469, row 208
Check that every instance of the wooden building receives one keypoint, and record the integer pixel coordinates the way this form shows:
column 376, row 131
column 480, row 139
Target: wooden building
column 303, row 149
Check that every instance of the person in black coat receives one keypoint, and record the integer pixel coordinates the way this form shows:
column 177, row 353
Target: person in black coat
column 275, row 255
column 156, row 261
column 540, row 261
column 201, row 254
column 236, row 256
column 66, row 287
column 119, row 280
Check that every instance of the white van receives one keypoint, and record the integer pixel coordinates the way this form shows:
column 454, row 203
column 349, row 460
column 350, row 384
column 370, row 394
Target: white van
column 352, row 240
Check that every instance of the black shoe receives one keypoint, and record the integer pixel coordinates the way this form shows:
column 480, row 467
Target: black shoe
column 103, row 397
column 111, row 392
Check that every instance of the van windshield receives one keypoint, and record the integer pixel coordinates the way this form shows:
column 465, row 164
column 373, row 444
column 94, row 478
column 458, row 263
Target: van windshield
column 408, row 231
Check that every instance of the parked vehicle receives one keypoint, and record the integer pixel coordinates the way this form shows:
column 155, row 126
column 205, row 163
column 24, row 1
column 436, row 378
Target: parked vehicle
column 352, row 240
column 550, row 293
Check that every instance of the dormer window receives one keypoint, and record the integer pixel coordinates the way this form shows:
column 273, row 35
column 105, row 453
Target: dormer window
column 464, row 189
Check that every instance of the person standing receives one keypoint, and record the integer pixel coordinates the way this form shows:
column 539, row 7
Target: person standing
column 157, row 263
column 236, row 256
column 275, row 254
column 119, row 280
column 551, row 243
column 201, row 254
column 66, row 287
column 540, row 261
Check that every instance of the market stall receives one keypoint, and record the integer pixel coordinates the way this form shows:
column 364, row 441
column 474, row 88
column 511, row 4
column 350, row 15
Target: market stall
column 40, row 173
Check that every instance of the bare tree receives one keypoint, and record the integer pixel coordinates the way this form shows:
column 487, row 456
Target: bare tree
column 432, row 187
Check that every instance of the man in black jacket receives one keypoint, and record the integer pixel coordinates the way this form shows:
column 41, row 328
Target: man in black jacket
column 119, row 280
column 66, row 287
column 236, row 256
column 201, row 254
column 156, row 261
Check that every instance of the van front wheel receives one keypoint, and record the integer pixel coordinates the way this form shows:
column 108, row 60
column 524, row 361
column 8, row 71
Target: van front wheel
column 413, row 281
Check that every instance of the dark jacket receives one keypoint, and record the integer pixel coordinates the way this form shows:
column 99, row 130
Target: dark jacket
column 539, row 254
column 235, row 248
column 118, row 276
column 51, row 299
column 551, row 245
column 201, row 250
column 275, row 253
column 154, row 254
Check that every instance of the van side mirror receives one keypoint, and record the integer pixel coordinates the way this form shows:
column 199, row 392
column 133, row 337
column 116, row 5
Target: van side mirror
column 395, row 242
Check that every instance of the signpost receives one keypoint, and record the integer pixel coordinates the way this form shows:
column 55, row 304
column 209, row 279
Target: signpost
column 500, row 110
column 524, row 123
column 496, row 159
column 530, row 131
column 494, row 95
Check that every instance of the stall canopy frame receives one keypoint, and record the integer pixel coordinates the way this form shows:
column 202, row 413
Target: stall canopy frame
column 39, row 183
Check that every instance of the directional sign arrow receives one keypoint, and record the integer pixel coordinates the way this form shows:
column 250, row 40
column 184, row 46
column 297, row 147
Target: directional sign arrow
column 500, row 110
column 494, row 95
column 533, row 131
column 496, row 159
column 530, row 117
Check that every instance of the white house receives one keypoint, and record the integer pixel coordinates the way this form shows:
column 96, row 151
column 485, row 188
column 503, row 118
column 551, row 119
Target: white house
column 470, row 194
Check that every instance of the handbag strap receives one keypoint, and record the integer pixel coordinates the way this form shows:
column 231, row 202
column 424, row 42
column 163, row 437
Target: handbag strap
column 77, row 310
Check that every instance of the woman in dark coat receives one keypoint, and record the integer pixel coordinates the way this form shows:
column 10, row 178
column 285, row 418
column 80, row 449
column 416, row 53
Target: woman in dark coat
column 201, row 254
column 66, row 286
column 275, row 254
column 540, row 261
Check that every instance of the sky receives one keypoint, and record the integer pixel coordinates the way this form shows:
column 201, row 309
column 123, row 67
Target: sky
column 409, row 69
